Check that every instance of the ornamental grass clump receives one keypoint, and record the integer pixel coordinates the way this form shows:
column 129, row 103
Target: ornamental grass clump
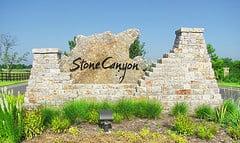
column 145, row 108
column 228, row 113
column 48, row 113
column 84, row 110
column 179, row 109
column 11, row 117
column 117, row 118
column 232, row 116
column 204, row 112
column 125, row 107
column 76, row 111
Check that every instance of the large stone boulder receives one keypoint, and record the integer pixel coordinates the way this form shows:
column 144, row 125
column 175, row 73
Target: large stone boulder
column 103, row 59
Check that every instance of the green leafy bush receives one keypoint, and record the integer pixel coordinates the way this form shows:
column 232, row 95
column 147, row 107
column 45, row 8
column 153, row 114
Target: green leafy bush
column 177, row 138
column 234, row 131
column 33, row 124
column 204, row 112
column 11, row 117
column 183, row 125
column 145, row 108
column 93, row 117
column 48, row 113
column 206, row 130
column 117, row 118
column 59, row 124
column 73, row 131
column 179, row 109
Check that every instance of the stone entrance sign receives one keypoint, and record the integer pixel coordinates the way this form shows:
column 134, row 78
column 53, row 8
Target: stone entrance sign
column 99, row 67
column 103, row 59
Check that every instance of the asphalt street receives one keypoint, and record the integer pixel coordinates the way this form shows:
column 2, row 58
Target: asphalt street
column 15, row 89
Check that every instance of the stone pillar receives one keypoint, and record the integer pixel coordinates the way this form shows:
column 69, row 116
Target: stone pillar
column 45, row 59
column 44, row 73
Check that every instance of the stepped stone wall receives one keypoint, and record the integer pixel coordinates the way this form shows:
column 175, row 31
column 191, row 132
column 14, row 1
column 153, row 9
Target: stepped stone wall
column 183, row 74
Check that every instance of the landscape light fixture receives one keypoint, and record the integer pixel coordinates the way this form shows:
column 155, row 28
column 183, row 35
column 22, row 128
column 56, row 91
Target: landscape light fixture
column 105, row 121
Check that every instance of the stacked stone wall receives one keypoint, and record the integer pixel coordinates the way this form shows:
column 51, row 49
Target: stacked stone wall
column 184, row 74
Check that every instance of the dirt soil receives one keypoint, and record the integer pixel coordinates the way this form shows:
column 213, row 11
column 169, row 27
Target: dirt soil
column 92, row 134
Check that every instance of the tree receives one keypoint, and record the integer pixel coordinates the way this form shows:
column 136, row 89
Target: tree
column 8, row 56
column 137, row 49
column 217, row 63
column 72, row 44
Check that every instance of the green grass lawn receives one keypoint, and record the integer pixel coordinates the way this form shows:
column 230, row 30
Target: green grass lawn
column 229, row 84
column 6, row 83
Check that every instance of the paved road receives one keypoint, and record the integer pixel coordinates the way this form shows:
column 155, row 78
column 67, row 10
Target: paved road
column 19, row 88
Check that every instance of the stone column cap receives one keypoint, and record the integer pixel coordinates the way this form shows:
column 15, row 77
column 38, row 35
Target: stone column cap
column 45, row 50
column 189, row 30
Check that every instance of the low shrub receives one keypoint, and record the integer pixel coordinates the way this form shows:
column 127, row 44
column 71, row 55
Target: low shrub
column 179, row 109
column 59, row 124
column 48, row 113
column 128, row 136
column 183, row 125
column 145, row 108
column 93, row 117
column 177, row 138
column 117, row 118
column 144, row 135
column 234, row 131
column 206, row 130
column 11, row 117
column 33, row 124
column 204, row 112
column 73, row 131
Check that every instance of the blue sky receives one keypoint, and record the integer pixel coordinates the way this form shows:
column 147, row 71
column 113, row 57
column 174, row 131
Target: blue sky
column 51, row 23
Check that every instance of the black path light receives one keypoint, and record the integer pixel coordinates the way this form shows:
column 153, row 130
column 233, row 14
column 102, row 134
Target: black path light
column 105, row 121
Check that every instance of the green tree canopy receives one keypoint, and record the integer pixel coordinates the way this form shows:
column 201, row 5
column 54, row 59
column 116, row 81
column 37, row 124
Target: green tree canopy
column 219, row 63
column 137, row 49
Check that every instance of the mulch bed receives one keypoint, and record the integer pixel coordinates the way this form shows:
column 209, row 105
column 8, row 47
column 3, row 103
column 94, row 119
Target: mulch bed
column 92, row 134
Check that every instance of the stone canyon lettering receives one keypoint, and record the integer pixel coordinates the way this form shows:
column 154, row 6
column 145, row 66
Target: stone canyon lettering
column 82, row 64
